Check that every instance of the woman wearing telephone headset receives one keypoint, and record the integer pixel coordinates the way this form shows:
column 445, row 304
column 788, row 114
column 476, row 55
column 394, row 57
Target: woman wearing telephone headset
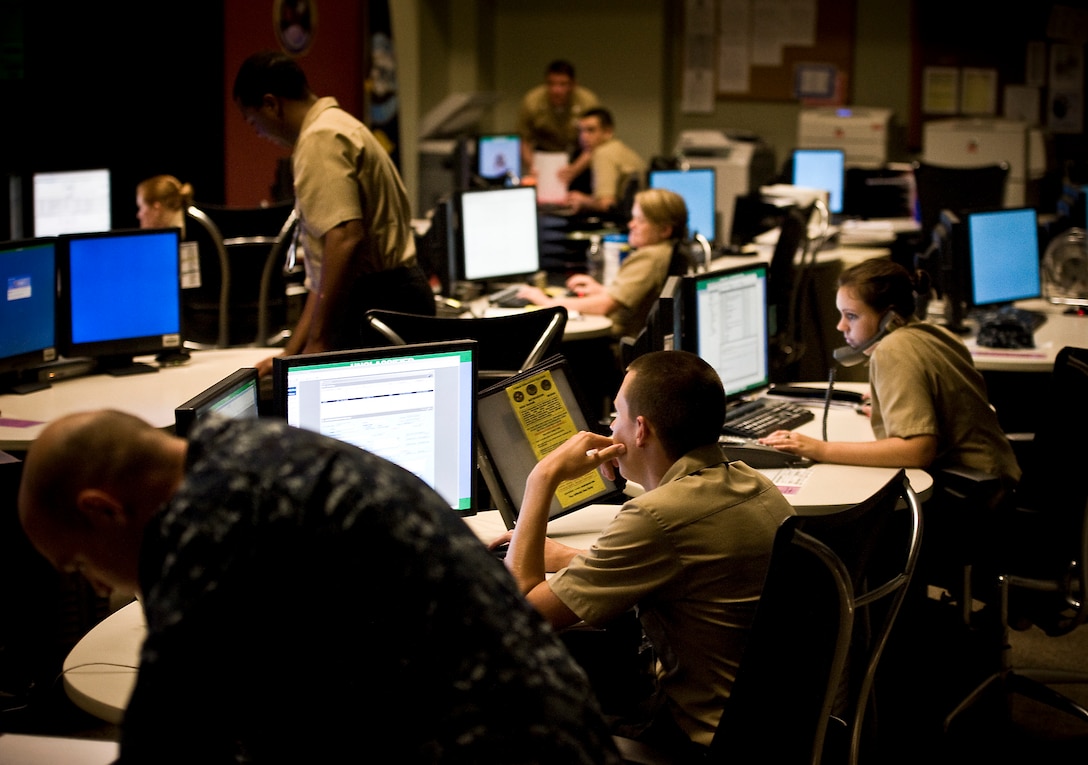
column 929, row 404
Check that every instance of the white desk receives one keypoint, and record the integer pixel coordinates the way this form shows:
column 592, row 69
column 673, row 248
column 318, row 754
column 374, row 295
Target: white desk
column 20, row 749
column 580, row 326
column 111, row 653
column 152, row 396
column 1059, row 330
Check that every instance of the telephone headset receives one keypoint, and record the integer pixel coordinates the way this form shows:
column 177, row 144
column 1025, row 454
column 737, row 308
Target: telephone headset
column 850, row 357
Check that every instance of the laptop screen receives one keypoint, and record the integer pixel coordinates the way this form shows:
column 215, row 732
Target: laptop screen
column 415, row 405
column 236, row 396
column 522, row 419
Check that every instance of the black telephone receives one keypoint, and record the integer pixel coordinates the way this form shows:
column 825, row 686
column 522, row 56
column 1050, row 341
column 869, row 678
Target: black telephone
column 850, row 357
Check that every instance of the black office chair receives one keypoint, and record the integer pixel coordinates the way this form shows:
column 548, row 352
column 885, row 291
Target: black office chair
column 879, row 541
column 785, row 686
column 1042, row 573
column 508, row 344
column 281, row 264
column 787, row 279
column 957, row 189
column 205, row 305
column 250, row 237
column 690, row 256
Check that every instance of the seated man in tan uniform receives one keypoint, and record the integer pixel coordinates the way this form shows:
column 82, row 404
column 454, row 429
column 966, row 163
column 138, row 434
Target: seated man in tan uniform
column 612, row 163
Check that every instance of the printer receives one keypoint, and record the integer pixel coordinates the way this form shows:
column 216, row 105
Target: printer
column 741, row 163
column 860, row 131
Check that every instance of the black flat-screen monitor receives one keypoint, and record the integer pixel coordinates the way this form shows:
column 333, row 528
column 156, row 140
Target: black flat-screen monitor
column 119, row 297
column 697, row 186
column 522, row 419
column 723, row 319
column 414, row 405
column 27, row 308
column 1003, row 252
column 498, row 156
column 821, row 169
column 236, row 396
column 496, row 233
column 71, row 202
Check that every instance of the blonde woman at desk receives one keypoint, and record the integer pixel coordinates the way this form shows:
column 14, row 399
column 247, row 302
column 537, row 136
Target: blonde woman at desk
column 929, row 404
column 659, row 218
column 161, row 202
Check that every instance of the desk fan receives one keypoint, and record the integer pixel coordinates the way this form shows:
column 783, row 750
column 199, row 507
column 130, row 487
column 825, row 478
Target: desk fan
column 1065, row 268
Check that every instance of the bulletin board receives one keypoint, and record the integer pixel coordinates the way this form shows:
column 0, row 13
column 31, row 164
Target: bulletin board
column 832, row 48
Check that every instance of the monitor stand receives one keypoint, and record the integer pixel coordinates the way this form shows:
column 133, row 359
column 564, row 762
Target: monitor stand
column 120, row 366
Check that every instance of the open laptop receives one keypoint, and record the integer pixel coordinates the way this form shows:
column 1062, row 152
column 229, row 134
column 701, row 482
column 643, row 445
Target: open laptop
column 523, row 418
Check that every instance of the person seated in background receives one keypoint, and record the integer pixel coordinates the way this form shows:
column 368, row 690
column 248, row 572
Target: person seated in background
column 929, row 410
column 306, row 601
column 690, row 554
column 612, row 164
column 548, row 116
column 659, row 218
column 161, row 202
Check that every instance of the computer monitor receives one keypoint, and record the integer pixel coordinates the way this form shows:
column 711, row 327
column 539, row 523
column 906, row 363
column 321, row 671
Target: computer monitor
column 945, row 260
column 236, row 396
column 498, row 156
column 659, row 333
column 71, row 202
column 27, row 307
column 821, row 169
column 697, row 187
column 496, row 234
column 1003, row 252
column 414, row 405
column 523, row 418
column 119, row 297
column 723, row 319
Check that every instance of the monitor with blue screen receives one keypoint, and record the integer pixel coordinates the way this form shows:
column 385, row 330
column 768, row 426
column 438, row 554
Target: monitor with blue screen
column 723, row 319
column 498, row 156
column 415, row 405
column 27, row 307
column 1003, row 251
column 697, row 186
column 821, row 169
column 119, row 296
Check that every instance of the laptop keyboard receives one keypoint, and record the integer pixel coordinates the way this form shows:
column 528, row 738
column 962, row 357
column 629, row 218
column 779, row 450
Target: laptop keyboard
column 761, row 417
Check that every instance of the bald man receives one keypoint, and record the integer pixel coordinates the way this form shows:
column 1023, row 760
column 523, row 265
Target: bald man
column 306, row 601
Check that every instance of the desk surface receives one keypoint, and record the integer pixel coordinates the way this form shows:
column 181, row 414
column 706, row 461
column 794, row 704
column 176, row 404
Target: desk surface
column 1059, row 330
column 151, row 396
column 580, row 326
column 110, row 651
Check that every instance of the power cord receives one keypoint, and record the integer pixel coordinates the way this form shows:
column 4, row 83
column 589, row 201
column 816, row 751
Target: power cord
column 827, row 397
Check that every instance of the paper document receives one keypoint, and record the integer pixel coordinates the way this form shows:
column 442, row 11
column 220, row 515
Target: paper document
column 549, row 188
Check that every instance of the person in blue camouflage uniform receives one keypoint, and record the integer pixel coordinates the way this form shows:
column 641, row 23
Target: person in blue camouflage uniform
column 306, row 601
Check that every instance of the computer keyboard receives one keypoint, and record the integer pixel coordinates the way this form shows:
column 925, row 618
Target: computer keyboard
column 507, row 297
column 761, row 417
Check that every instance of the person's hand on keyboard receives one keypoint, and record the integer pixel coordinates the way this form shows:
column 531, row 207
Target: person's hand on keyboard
column 794, row 443
column 534, row 295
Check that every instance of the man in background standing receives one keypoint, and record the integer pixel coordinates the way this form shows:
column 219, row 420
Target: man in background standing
column 548, row 118
column 352, row 204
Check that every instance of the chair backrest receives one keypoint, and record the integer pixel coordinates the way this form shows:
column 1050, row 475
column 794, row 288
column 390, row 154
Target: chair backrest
column 690, row 256
column 1049, row 487
column 957, row 189
column 507, row 344
column 252, row 238
column 796, row 652
column 280, row 260
column 786, row 275
column 879, row 541
column 206, row 308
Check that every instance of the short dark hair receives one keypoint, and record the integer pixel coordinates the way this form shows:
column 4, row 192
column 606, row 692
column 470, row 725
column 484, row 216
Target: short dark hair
column 269, row 72
column 560, row 66
column 681, row 396
column 603, row 116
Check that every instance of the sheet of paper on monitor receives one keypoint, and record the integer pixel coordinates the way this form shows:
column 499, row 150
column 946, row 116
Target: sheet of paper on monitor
column 549, row 188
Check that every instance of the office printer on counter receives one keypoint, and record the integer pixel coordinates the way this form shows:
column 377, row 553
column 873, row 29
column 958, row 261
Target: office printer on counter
column 741, row 163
